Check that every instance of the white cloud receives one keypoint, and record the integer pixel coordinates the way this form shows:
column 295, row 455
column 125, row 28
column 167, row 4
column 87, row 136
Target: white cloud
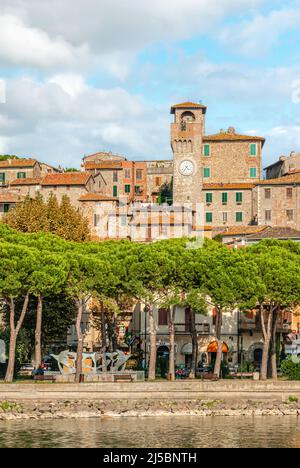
column 115, row 26
column 258, row 35
column 27, row 46
column 71, row 83
column 62, row 118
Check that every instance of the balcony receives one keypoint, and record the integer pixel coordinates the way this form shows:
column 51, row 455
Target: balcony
column 283, row 326
column 185, row 328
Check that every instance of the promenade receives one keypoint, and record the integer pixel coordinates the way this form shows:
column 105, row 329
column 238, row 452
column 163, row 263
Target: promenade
column 179, row 390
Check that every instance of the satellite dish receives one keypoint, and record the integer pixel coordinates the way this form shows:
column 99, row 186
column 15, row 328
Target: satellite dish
column 2, row 352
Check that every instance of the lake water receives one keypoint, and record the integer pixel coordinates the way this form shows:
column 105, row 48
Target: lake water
column 160, row 432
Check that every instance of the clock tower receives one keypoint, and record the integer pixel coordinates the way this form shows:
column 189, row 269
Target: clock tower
column 186, row 141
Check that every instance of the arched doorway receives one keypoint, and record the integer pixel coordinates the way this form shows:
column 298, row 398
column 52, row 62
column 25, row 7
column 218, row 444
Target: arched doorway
column 162, row 360
column 257, row 357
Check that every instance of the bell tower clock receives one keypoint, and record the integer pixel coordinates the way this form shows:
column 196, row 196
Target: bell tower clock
column 186, row 141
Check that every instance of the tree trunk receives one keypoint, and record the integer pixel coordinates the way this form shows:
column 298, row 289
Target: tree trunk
column 14, row 331
column 12, row 356
column 273, row 356
column 218, row 363
column 38, row 334
column 80, row 338
column 172, row 343
column 267, row 339
column 194, row 346
column 114, row 333
column 103, row 339
column 153, row 350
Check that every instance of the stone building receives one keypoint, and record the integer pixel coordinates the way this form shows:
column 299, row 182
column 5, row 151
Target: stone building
column 205, row 326
column 219, row 170
column 285, row 165
column 8, row 200
column 278, row 201
column 13, row 169
column 228, row 204
column 117, row 177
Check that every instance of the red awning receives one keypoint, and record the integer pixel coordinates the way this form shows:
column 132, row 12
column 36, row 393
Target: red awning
column 213, row 347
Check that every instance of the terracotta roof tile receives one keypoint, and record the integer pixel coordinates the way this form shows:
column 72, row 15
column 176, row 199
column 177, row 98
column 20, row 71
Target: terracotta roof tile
column 276, row 233
column 18, row 163
column 7, row 197
column 225, row 136
column 237, row 186
column 188, row 104
column 103, row 165
column 287, row 179
column 66, row 178
column 27, row 181
column 242, row 230
column 96, row 197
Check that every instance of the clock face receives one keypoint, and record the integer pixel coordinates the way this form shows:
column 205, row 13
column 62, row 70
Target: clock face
column 186, row 168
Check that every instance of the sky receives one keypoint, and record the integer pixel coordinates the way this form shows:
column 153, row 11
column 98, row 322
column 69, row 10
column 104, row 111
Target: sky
column 77, row 77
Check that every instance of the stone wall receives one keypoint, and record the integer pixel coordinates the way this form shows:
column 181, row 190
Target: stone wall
column 278, row 204
column 230, row 162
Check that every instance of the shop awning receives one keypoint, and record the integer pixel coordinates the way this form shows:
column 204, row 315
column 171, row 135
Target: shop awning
column 213, row 347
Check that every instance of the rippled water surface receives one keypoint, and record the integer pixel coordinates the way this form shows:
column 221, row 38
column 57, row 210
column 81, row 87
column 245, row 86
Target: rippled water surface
column 168, row 432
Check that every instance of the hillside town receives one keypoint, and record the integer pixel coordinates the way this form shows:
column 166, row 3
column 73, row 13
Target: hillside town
column 223, row 173
column 146, row 201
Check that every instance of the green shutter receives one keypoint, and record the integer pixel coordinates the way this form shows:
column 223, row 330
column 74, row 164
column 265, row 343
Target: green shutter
column 209, row 217
column 253, row 149
column 209, row 198
column 6, row 208
column 115, row 191
column 21, row 175
column 253, row 172
column 239, row 197
column 206, row 172
column 206, row 150
column 239, row 217
column 2, row 178
column 225, row 198
column 127, row 189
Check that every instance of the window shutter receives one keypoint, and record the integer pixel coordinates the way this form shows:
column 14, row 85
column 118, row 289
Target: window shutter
column 253, row 149
column 206, row 150
column 224, row 198
column 209, row 198
column 239, row 197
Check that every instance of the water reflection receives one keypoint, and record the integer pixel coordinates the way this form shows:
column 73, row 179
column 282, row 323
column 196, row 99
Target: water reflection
column 166, row 432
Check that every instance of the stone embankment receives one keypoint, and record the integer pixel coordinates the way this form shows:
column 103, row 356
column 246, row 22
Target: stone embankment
column 145, row 399
column 76, row 409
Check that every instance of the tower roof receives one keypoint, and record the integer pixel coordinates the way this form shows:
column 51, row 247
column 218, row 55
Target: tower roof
column 188, row 105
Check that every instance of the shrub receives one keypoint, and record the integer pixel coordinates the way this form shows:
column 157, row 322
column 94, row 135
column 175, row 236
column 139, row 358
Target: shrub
column 290, row 369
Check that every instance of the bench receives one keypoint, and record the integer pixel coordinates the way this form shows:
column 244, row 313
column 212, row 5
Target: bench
column 44, row 378
column 123, row 378
column 243, row 374
column 209, row 376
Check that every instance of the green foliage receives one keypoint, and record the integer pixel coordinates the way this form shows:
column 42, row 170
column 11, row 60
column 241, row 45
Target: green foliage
column 71, row 169
column 10, row 407
column 293, row 399
column 166, row 193
column 5, row 157
column 37, row 215
column 290, row 369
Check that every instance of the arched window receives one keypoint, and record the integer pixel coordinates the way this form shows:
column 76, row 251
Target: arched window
column 188, row 117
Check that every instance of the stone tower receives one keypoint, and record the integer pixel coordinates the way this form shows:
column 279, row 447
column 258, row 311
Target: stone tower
column 186, row 141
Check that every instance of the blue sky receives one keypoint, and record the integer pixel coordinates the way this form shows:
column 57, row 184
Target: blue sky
column 102, row 74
